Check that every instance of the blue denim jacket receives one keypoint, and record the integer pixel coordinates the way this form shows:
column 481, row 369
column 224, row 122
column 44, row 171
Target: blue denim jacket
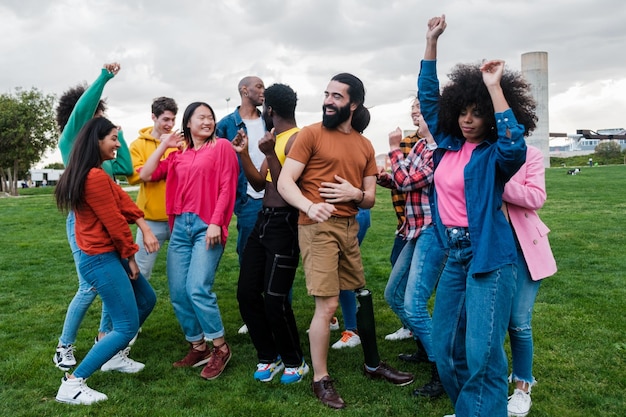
column 492, row 164
column 227, row 128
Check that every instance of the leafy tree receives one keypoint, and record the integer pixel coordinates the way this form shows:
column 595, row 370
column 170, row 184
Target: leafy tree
column 55, row 165
column 608, row 150
column 27, row 130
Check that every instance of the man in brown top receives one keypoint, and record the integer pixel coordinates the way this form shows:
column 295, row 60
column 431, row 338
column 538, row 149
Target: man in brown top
column 329, row 173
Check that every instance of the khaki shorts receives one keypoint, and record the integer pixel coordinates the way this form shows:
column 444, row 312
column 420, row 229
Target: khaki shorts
column 331, row 256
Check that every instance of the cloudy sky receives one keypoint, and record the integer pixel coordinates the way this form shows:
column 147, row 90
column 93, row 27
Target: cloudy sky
column 199, row 50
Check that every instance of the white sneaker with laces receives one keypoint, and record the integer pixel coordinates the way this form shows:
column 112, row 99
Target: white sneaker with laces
column 76, row 391
column 519, row 403
column 400, row 334
column 122, row 363
column 334, row 324
column 348, row 339
column 243, row 329
column 64, row 357
column 450, row 415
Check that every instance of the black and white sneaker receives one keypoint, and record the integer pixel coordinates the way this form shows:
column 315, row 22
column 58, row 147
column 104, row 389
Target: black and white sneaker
column 64, row 357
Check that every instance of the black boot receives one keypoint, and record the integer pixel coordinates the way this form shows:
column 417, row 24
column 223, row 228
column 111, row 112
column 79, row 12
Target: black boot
column 418, row 357
column 433, row 388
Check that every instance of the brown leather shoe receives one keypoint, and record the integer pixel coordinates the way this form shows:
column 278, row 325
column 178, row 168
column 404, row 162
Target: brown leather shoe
column 325, row 391
column 385, row 371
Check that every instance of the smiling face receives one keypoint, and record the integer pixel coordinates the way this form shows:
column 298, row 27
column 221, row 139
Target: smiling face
column 472, row 124
column 163, row 124
column 337, row 107
column 109, row 145
column 416, row 112
column 201, row 124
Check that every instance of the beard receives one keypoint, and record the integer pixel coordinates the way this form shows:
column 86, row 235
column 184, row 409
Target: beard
column 269, row 122
column 331, row 121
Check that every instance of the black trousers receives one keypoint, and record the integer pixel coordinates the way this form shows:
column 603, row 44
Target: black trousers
column 268, row 268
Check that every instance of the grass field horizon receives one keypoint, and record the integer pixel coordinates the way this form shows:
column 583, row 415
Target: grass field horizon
column 579, row 325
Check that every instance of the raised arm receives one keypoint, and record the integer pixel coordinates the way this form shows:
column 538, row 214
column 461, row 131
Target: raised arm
column 84, row 109
column 436, row 26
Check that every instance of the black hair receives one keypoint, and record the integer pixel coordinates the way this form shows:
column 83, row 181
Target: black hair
column 356, row 90
column 85, row 155
column 467, row 88
column 282, row 99
column 187, row 115
column 68, row 101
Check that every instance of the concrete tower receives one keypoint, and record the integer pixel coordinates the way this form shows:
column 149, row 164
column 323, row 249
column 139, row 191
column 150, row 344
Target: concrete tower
column 535, row 71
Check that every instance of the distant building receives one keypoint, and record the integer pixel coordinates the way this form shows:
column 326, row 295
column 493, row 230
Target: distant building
column 45, row 176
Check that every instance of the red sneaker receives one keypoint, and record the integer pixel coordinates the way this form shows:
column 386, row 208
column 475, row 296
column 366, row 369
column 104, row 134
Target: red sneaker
column 217, row 363
column 194, row 358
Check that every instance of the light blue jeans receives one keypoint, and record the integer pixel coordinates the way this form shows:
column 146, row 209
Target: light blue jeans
column 470, row 320
column 129, row 303
column 246, row 219
column 520, row 329
column 84, row 296
column 146, row 260
column 412, row 282
column 191, row 274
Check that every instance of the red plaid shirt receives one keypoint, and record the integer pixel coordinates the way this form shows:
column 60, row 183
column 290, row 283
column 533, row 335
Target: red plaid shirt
column 413, row 175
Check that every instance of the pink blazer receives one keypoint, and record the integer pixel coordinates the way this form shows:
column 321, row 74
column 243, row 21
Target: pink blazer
column 524, row 194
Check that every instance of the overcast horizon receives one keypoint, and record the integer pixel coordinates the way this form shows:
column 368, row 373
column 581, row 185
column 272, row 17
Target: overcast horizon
column 193, row 50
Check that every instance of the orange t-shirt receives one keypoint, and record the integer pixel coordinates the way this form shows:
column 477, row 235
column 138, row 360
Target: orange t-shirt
column 329, row 152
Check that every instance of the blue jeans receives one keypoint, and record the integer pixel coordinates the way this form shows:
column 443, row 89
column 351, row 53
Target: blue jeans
column 246, row 219
column 191, row 275
column 470, row 320
column 129, row 302
column 347, row 298
column 146, row 260
column 412, row 282
column 84, row 296
column 520, row 329
column 398, row 244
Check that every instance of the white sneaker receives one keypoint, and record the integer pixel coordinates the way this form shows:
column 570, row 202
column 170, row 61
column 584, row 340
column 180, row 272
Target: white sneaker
column 243, row 329
column 122, row 363
column 450, row 415
column 519, row 403
column 64, row 357
column 400, row 334
column 348, row 339
column 76, row 391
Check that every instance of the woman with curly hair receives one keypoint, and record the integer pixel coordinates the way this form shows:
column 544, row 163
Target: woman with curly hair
column 479, row 122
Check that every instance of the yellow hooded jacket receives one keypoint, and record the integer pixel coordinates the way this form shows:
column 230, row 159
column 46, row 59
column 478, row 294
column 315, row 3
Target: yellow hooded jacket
column 151, row 196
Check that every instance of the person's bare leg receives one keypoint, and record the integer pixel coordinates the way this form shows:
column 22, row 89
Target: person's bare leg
column 319, row 334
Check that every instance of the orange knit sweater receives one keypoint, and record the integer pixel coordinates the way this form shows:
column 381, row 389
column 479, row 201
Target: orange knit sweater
column 102, row 222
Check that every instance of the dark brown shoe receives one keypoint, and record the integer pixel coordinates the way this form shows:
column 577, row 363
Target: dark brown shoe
column 417, row 357
column 325, row 391
column 194, row 358
column 394, row 376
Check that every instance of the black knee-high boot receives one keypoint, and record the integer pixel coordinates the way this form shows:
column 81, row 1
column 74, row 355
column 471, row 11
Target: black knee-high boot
column 366, row 327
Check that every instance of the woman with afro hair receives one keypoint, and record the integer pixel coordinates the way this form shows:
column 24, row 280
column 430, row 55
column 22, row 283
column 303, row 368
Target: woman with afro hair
column 479, row 121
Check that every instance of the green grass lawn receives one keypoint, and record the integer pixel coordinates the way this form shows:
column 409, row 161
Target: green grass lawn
column 579, row 324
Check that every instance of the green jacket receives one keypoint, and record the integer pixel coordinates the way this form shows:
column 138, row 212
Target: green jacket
column 83, row 111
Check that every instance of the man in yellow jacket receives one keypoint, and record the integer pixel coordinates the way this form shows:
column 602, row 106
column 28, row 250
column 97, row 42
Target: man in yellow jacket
column 151, row 196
